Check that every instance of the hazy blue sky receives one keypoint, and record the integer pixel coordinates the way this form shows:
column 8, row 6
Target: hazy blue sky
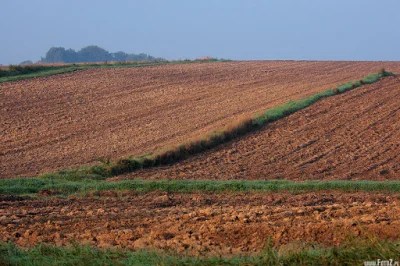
column 235, row 29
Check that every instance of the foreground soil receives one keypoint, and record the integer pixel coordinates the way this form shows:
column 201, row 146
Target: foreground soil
column 67, row 120
column 205, row 224
column 351, row 136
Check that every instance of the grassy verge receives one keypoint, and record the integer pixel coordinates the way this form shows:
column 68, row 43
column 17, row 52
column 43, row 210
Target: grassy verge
column 239, row 128
column 26, row 72
column 48, row 71
column 352, row 252
column 29, row 186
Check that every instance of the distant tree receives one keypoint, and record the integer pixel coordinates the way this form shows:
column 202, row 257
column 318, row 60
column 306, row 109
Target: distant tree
column 70, row 56
column 94, row 53
column 55, row 55
column 120, row 56
column 139, row 57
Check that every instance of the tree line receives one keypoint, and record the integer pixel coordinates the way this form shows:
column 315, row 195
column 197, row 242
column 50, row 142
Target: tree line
column 91, row 53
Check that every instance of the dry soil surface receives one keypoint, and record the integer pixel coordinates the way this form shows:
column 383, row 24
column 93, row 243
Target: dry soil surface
column 194, row 224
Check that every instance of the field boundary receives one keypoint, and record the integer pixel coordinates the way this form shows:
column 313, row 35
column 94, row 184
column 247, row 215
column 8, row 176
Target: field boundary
column 64, row 186
column 36, row 71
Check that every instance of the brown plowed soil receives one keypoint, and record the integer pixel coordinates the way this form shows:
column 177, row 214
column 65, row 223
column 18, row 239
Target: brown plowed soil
column 205, row 224
column 351, row 136
column 73, row 119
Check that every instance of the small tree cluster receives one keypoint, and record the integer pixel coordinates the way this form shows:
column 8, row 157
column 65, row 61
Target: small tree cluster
column 90, row 53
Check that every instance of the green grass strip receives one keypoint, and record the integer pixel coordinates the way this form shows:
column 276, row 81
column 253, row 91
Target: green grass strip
column 27, row 72
column 30, row 186
column 42, row 73
column 354, row 251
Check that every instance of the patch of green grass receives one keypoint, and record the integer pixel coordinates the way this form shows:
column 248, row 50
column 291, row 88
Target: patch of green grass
column 15, row 70
column 290, row 107
column 29, row 186
column 345, row 87
column 356, row 84
column 376, row 77
column 83, row 173
column 21, row 186
column 41, row 73
column 352, row 252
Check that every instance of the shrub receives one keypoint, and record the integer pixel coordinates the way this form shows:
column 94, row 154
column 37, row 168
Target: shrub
column 124, row 166
column 15, row 68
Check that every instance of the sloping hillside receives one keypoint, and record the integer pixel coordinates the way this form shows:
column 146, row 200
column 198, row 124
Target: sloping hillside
column 68, row 120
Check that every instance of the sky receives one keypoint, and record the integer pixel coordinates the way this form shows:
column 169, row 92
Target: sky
column 184, row 29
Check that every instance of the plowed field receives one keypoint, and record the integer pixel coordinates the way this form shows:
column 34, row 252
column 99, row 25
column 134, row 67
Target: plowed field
column 352, row 136
column 203, row 224
column 67, row 120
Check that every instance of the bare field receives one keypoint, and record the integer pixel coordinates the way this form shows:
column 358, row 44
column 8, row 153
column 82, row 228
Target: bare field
column 200, row 224
column 68, row 120
column 352, row 136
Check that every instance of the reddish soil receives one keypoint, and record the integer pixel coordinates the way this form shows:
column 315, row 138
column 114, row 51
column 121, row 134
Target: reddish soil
column 206, row 224
column 351, row 136
column 73, row 119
